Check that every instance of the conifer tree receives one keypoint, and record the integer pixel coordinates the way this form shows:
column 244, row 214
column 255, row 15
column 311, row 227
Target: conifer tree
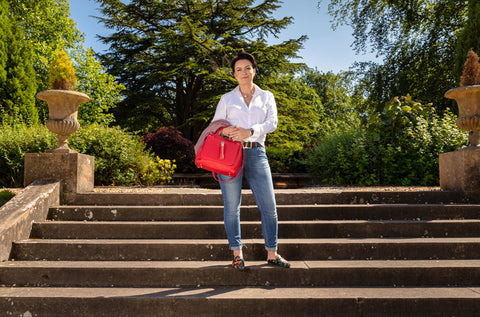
column 17, row 79
column 173, row 56
column 4, row 31
column 469, row 38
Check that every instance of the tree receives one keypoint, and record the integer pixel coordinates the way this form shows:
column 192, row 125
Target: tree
column 341, row 103
column 49, row 29
column 417, row 40
column 469, row 38
column 173, row 56
column 5, row 26
column 300, row 113
column 101, row 87
column 299, row 110
column 17, row 90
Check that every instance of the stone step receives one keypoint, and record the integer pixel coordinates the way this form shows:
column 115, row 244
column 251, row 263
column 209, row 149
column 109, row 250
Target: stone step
column 251, row 213
column 353, row 253
column 253, row 229
column 292, row 249
column 280, row 180
column 191, row 197
column 404, row 273
column 251, row 301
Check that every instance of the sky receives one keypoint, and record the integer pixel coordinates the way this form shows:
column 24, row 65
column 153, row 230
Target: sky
column 326, row 49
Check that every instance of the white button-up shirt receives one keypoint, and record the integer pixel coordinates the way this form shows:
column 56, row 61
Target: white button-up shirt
column 261, row 114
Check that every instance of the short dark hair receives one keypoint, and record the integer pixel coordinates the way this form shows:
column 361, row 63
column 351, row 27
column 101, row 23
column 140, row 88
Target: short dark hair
column 243, row 55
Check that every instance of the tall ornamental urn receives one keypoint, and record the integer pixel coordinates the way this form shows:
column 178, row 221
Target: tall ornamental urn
column 62, row 115
column 63, row 101
column 460, row 170
column 468, row 101
column 73, row 169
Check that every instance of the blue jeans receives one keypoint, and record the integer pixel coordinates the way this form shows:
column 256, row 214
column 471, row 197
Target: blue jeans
column 258, row 175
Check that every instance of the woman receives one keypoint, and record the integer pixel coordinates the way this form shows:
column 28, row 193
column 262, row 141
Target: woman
column 252, row 113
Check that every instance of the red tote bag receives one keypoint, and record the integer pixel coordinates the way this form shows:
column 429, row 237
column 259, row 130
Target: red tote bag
column 221, row 155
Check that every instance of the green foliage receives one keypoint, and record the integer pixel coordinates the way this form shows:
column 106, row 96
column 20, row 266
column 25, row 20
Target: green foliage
column 399, row 146
column 310, row 107
column 120, row 158
column 299, row 112
column 299, row 109
column 468, row 38
column 341, row 103
column 17, row 89
column 173, row 56
column 61, row 74
column 5, row 196
column 417, row 41
column 5, row 26
column 15, row 141
column 287, row 157
column 101, row 87
column 336, row 159
column 49, row 29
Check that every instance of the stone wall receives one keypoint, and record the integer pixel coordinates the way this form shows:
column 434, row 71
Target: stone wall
column 30, row 205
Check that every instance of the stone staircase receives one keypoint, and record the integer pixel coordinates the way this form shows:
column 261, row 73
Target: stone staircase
column 165, row 254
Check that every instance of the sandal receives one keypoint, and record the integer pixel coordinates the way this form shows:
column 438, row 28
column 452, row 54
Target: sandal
column 279, row 261
column 238, row 263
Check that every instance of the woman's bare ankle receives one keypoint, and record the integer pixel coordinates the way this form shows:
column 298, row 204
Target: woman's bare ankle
column 272, row 255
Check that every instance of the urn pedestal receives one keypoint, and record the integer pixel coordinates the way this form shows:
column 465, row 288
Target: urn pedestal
column 76, row 170
column 460, row 170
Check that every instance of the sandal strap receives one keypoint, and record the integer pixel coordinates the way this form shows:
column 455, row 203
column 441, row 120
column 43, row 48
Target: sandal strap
column 279, row 261
column 238, row 263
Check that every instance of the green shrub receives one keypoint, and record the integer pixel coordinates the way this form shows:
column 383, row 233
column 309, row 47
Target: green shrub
column 5, row 196
column 343, row 158
column 286, row 158
column 15, row 141
column 120, row 157
column 399, row 146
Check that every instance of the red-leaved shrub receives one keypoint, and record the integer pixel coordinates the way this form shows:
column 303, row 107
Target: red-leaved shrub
column 168, row 143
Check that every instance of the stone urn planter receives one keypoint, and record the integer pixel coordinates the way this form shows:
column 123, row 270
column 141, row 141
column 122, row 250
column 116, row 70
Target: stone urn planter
column 468, row 100
column 62, row 115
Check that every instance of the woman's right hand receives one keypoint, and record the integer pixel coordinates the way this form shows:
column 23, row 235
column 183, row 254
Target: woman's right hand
column 227, row 131
column 235, row 133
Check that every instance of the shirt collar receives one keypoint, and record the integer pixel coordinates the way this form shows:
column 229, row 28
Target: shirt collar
column 257, row 90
